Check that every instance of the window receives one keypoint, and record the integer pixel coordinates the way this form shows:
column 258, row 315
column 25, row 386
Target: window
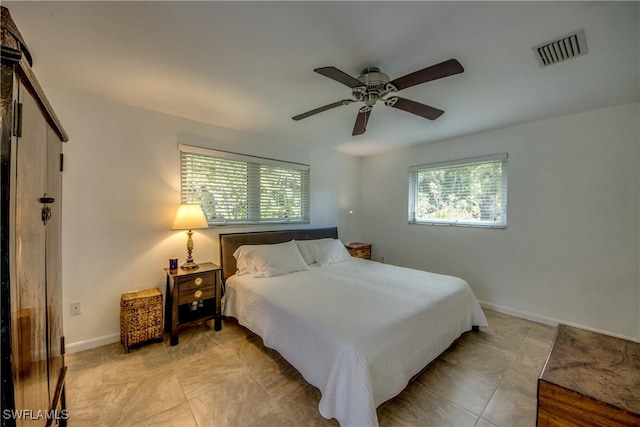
column 469, row 192
column 234, row 188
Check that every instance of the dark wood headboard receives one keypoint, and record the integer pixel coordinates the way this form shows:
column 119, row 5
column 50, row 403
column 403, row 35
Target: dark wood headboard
column 232, row 241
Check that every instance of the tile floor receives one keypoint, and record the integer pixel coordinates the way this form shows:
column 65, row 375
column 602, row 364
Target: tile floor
column 229, row 378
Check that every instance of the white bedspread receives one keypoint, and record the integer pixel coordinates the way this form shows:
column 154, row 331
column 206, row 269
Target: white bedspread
column 357, row 330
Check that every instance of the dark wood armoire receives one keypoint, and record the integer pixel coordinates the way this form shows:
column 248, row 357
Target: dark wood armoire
column 33, row 369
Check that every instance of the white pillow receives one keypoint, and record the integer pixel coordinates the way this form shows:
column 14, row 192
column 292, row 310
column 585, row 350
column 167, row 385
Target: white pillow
column 270, row 260
column 330, row 251
column 243, row 256
column 305, row 247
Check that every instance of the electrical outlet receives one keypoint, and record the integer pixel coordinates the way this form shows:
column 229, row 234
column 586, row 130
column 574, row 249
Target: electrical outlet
column 76, row 308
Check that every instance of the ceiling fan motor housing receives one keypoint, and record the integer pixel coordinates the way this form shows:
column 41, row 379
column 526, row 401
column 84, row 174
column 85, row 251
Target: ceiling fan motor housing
column 374, row 85
column 372, row 77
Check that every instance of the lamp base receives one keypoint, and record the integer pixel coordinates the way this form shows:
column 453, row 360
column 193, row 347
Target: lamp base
column 189, row 265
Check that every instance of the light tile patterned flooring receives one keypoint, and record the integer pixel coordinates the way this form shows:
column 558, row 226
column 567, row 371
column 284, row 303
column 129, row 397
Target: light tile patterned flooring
column 229, row 378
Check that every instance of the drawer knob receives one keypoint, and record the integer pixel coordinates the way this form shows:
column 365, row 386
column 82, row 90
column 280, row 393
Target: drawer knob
column 197, row 294
column 198, row 281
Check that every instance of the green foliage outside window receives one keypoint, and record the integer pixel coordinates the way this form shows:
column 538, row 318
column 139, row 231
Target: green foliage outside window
column 281, row 192
column 465, row 194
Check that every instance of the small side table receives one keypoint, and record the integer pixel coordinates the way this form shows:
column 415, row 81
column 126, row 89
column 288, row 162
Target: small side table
column 193, row 296
column 359, row 250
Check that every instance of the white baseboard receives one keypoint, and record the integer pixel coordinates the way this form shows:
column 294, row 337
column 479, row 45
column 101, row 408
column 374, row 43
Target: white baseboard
column 548, row 320
column 77, row 346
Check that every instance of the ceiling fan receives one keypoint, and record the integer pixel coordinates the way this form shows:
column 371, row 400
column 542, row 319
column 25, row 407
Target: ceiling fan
column 372, row 86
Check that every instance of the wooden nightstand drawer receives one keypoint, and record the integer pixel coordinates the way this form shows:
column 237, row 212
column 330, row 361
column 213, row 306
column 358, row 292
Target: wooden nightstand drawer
column 196, row 294
column 196, row 281
column 359, row 250
column 184, row 288
column 362, row 253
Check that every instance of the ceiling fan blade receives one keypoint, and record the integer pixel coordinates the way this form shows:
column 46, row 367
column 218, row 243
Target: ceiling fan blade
column 361, row 121
column 339, row 76
column 321, row 109
column 434, row 72
column 414, row 107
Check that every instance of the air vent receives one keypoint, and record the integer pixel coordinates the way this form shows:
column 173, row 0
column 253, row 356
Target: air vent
column 563, row 48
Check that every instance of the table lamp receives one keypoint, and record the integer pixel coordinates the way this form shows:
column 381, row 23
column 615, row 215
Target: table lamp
column 189, row 217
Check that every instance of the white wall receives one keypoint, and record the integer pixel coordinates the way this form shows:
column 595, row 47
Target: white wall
column 570, row 251
column 121, row 191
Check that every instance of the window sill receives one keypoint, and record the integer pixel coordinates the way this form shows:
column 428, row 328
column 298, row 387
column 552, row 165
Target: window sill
column 459, row 224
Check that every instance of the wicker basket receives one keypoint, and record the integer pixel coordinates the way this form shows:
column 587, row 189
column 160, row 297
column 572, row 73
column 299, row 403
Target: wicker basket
column 140, row 317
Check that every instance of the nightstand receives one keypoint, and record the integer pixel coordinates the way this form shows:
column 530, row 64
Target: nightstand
column 359, row 250
column 193, row 296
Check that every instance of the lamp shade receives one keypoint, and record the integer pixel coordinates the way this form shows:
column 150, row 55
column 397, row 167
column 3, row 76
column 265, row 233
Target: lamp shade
column 189, row 217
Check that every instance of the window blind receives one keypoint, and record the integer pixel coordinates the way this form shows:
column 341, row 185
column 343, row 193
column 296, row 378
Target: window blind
column 235, row 188
column 467, row 192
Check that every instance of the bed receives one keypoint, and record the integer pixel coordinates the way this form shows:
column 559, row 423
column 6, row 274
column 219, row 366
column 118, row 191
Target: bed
column 357, row 330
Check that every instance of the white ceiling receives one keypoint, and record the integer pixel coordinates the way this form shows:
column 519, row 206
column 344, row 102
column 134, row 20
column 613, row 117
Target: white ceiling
column 249, row 65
